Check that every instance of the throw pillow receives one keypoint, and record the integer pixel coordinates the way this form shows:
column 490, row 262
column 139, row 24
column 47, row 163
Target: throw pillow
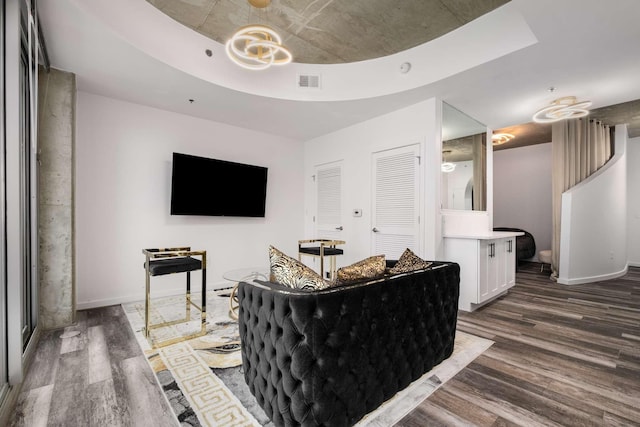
column 409, row 262
column 290, row 272
column 369, row 268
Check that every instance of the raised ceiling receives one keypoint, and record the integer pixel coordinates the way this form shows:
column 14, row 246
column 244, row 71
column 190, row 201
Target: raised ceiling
column 535, row 133
column 333, row 31
column 132, row 50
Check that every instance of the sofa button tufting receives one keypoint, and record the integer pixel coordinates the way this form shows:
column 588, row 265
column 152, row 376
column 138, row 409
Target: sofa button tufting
column 346, row 340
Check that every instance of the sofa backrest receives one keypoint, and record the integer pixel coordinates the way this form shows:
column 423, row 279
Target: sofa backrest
column 341, row 352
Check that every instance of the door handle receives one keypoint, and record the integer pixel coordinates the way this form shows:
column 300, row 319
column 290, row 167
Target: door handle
column 339, row 228
column 375, row 230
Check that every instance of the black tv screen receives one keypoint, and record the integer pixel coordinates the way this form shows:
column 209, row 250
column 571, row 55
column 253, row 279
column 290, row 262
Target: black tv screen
column 211, row 187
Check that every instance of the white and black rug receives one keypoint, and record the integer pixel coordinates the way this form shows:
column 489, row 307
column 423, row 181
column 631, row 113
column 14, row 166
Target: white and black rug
column 203, row 380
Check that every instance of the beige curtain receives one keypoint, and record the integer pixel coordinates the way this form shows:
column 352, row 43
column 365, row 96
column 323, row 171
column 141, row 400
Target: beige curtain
column 579, row 148
column 479, row 144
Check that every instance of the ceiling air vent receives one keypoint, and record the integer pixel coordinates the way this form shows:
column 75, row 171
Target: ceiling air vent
column 308, row 81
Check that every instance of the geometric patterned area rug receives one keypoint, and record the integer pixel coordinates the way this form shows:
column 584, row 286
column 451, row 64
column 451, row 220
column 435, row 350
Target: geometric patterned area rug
column 203, row 380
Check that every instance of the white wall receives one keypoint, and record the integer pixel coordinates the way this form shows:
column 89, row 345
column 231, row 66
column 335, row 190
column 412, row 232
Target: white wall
column 417, row 124
column 522, row 191
column 633, row 200
column 123, row 175
column 593, row 242
column 455, row 185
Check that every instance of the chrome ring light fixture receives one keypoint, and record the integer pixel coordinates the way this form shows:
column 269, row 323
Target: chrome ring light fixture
column 447, row 167
column 501, row 138
column 562, row 108
column 257, row 47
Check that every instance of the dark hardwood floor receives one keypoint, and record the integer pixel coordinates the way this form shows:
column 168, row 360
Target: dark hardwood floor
column 563, row 356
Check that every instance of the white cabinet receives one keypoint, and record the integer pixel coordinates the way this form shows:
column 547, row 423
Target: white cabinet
column 491, row 269
column 510, row 261
column 487, row 266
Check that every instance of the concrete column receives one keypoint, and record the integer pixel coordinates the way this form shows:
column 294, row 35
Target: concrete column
column 56, row 140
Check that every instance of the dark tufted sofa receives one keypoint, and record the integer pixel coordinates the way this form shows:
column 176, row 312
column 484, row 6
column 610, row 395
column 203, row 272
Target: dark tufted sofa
column 327, row 358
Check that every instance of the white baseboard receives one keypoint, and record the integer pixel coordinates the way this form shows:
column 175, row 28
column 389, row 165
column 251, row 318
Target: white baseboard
column 592, row 279
column 85, row 305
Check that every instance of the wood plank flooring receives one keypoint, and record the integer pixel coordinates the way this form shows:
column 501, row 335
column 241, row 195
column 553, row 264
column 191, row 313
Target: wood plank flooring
column 563, row 356
column 92, row 374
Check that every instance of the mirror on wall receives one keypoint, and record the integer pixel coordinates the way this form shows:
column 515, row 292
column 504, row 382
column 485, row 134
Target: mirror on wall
column 464, row 161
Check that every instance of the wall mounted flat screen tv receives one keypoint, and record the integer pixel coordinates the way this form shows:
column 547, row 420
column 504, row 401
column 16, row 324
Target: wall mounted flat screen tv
column 211, row 187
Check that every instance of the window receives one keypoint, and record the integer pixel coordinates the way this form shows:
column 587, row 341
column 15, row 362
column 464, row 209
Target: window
column 4, row 368
column 28, row 170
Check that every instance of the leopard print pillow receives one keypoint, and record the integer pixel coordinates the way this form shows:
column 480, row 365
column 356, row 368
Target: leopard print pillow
column 409, row 262
column 369, row 268
column 290, row 272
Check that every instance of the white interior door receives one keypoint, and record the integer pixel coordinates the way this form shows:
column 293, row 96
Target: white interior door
column 328, row 218
column 396, row 201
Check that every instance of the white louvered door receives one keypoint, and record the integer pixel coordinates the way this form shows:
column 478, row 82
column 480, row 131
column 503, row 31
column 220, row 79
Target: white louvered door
column 396, row 201
column 329, row 201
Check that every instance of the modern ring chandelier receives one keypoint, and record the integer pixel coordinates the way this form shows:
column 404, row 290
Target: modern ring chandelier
column 257, row 47
column 501, row 138
column 446, row 166
column 562, row 108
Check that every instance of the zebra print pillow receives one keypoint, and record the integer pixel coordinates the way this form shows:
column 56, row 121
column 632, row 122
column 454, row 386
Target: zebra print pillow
column 291, row 272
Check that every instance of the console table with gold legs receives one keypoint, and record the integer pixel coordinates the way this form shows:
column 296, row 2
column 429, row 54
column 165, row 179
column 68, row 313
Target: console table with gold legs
column 162, row 261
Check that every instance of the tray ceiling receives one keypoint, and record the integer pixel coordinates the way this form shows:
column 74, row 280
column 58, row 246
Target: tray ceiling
column 332, row 31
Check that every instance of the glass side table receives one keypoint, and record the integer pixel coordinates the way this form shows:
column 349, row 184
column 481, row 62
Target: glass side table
column 243, row 275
